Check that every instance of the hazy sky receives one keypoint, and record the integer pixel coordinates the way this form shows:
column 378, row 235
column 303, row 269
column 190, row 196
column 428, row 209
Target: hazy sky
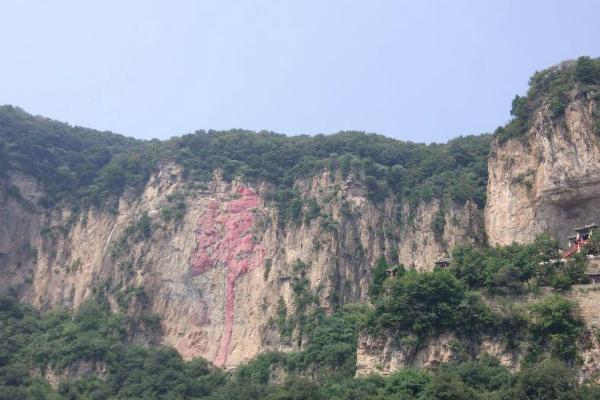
column 419, row 70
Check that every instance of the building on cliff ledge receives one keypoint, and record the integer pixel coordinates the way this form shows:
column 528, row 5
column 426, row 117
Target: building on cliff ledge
column 579, row 239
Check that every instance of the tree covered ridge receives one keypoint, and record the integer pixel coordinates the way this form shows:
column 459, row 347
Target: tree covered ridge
column 70, row 162
column 84, row 166
column 551, row 87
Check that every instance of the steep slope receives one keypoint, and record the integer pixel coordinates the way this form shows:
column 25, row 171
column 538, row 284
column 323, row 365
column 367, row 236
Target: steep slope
column 544, row 177
column 210, row 246
column 384, row 354
column 548, row 178
column 215, row 275
column 217, row 243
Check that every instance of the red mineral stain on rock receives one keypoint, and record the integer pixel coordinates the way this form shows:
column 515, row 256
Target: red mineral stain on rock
column 224, row 240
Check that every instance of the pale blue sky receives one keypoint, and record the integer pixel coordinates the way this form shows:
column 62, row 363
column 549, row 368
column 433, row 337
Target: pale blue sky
column 418, row 70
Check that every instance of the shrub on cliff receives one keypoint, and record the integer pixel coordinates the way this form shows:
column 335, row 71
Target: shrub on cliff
column 379, row 276
column 555, row 326
column 550, row 87
column 587, row 70
column 83, row 166
column 430, row 303
column 516, row 267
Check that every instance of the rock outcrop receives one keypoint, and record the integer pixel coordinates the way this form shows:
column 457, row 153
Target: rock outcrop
column 548, row 181
column 385, row 353
column 215, row 274
column 216, row 271
column 421, row 244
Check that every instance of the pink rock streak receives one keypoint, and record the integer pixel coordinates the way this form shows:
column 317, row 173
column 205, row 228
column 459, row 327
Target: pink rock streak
column 224, row 240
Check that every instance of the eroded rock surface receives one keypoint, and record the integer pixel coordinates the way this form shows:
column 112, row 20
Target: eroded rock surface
column 386, row 353
column 548, row 182
column 389, row 351
column 215, row 276
column 225, row 240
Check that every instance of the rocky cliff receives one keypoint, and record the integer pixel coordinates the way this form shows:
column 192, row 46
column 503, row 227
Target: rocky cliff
column 386, row 353
column 549, row 180
column 543, row 177
column 213, row 261
column 208, row 265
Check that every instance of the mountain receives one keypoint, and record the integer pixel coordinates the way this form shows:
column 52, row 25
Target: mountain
column 547, row 179
column 227, row 245
column 209, row 226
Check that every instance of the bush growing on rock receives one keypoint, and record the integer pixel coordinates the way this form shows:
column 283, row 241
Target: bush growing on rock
column 512, row 269
column 430, row 303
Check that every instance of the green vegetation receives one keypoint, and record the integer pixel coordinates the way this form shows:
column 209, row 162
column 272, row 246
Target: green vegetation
column 378, row 277
column 72, row 163
column 555, row 326
column 412, row 171
column 14, row 192
column 30, row 341
column 516, row 268
column 593, row 246
column 306, row 306
column 137, row 231
column 551, row 87
column 410, row 306
column 427, row 304
column 175, row 209
column 84, row 166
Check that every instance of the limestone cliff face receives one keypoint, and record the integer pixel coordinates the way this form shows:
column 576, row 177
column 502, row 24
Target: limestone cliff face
column 216, row 273
column 421, row 244
column 388, row 352
column 548, row 182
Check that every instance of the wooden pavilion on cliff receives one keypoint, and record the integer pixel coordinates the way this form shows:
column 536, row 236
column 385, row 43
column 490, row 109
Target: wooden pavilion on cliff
column 579, row 239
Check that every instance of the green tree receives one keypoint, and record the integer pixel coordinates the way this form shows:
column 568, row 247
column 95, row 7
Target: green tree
column 555, row 325
column 407, row 381
column 550, row 380
column 586, row 71
column 448, row 386
column 429, row 303
column 519, row 107
column 378, row 277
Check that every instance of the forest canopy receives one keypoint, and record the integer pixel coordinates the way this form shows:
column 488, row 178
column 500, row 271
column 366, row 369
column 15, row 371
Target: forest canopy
column 550, row 88
column 84, row 166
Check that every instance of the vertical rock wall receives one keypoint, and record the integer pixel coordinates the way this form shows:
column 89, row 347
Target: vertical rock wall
column 216, row 275
column 388, row 352
column 550, row 180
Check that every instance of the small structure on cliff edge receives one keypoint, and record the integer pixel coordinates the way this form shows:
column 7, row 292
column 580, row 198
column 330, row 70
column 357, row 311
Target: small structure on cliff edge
column 443, row 262
column 594, row 275
column 392, row 271
column 593, row 269
column 579, row 239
